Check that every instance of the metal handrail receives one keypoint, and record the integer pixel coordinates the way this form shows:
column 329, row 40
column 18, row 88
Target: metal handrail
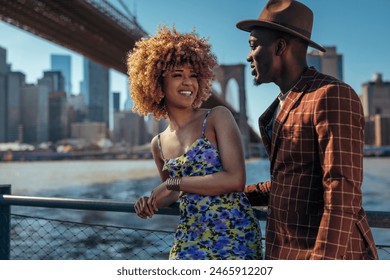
column 376, row 219
column 78, row 204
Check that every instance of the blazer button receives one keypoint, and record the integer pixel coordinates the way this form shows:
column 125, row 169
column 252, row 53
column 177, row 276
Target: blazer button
column 269, row 211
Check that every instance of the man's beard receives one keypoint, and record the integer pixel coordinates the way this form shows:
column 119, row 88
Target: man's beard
column 256, row 82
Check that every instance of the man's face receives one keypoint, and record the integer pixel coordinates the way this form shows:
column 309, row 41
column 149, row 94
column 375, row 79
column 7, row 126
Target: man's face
column 261, row 55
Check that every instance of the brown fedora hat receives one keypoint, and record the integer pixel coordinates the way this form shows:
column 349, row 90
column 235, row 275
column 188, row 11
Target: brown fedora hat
column 285, row 15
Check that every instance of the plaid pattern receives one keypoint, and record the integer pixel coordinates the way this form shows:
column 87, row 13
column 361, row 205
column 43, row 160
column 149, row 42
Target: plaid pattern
column 314, row 196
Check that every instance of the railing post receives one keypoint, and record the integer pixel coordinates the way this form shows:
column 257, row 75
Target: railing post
column 5, row 222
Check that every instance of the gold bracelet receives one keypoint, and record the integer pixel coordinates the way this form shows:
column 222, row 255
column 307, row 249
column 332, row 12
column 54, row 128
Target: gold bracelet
column 173, row 184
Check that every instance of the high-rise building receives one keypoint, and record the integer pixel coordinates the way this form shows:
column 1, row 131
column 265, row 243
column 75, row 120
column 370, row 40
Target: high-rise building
column 77, row 103
column 3, row 61
column 15, row 84
column 329, row 62
column 116, row 101
column 375, row 96
column 54, row 80
column 382, row 131
column 58, row 117
column 377, row 131
column 11, row 84
column 130, row 128
column 58, row 128
column 96, row 91
column 77, row 110
column 369, row 131
column 35, row 113
column 82, row 88
column 375, row 99
column 63, row 64
column 3, row 94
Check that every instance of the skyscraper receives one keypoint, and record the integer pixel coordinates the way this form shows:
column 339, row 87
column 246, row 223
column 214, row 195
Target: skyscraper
column 3, row 94
column 96, row 91
column 35, row 113
column 57, row 114
column 54, row 80
column 375, row 99
column 62, row 63
column 329, row 62
column 116, row 101
column 3, row 61
column 58, row 118
column 376, row 96
column 11, row 84
column 15, row 84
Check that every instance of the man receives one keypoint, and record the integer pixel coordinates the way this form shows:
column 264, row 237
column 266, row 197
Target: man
column 313, row 134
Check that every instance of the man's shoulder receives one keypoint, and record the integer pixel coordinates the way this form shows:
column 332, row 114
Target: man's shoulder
column 321, row 81
column 319, row 77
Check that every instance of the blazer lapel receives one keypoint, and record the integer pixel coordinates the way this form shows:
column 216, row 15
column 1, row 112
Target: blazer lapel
column 290, row 102
column 266, row 124
column 291, row 99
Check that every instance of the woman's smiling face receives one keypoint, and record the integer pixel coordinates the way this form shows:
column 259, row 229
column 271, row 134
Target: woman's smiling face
column 180, row 86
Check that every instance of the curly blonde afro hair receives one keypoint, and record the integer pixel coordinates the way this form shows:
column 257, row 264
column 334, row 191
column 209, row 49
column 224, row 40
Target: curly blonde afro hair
column 153, row 56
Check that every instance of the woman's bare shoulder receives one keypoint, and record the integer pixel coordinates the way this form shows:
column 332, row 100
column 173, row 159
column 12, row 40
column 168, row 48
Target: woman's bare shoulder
column 220, row 114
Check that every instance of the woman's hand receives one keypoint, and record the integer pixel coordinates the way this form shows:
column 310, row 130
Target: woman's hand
column 146, row 206
column 142, row 208
column 158, row 194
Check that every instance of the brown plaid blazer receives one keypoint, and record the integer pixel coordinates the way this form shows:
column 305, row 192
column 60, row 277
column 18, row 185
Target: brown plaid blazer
column 314, row 196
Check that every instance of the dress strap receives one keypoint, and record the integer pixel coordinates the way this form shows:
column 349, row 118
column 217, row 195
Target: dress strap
column 159, row 146
column 204, row 122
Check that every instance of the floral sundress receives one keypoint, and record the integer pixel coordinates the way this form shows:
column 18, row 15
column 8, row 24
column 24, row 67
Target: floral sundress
column 221, row 227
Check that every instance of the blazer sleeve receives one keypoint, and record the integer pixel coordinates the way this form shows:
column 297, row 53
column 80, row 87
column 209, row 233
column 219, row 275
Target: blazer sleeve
column 339, row 123
column 258, row 194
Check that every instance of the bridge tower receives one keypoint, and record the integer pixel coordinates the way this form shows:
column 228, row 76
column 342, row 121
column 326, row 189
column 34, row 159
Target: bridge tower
column 223, row 74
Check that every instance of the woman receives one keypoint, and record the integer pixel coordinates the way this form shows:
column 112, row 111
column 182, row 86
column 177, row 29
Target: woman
column 199, row 156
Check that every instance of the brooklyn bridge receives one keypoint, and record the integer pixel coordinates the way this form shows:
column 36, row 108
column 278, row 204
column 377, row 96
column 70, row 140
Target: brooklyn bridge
column 101, row 32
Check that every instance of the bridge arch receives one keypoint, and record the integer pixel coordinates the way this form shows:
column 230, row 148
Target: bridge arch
column 231, row 95
column 224, row 74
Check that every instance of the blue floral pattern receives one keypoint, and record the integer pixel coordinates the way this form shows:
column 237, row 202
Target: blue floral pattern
column 211, row 227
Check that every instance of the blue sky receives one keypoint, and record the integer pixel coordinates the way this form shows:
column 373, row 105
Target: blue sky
column 358, row 28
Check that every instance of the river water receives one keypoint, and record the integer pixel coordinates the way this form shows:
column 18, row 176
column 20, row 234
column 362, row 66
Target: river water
column 126, row 180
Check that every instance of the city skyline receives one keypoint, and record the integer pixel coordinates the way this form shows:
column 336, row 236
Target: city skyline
column 357, row 35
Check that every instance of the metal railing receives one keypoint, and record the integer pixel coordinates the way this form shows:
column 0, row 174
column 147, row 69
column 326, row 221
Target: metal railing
column 32, row 237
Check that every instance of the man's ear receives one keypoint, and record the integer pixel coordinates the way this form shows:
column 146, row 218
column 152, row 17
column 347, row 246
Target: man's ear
column 280, row 46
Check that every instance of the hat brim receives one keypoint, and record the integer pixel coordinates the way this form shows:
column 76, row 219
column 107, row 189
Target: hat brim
column 248, row 25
